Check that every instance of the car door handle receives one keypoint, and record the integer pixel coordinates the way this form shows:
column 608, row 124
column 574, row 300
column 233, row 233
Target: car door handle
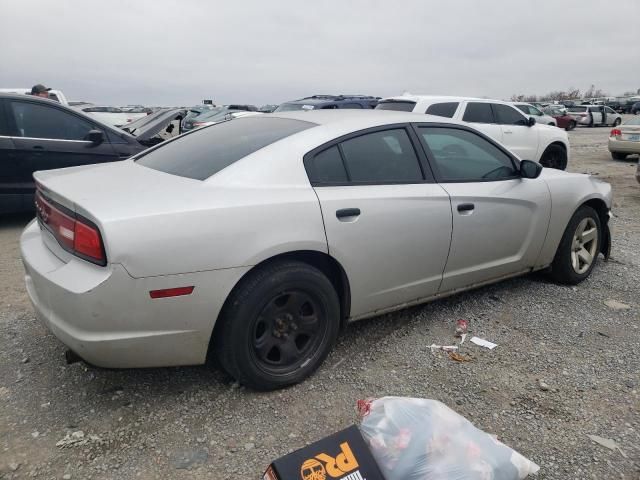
column 347, row 212
column 38, row 147
column 466, row 207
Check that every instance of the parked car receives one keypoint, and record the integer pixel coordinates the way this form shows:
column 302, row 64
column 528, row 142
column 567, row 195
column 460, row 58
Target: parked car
column 592, row 115
column 210, row 118
column 56, row 95
column 109, row 115
column 635, row 108
column 321, row 102
column 562, row 118
column 256, row 240
column 247, row 108
column 267, row 108
column 158, row 126
column 495, row 118
column 625, row 139
column 532, row 111
column 41, row 134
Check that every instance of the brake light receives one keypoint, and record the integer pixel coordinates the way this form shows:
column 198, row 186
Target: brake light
column 615, row 133
column 74, row 233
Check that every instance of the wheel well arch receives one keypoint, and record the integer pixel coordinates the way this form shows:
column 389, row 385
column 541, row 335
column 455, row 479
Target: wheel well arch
column 320, row 260
column 556, row 143
column 603, row 213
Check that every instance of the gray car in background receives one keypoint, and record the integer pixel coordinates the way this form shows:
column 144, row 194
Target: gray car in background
column 257, row 240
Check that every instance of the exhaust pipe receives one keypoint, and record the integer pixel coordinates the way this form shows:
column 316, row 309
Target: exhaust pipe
column 71, row 357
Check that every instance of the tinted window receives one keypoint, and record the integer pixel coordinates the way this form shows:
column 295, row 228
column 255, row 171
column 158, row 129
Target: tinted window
column 461, row 155
column 205, row 152
column 397, row 105
column 478, row 113
column 507, row 115
column 351, row 105
column 443, row 109
column 577, row 109
column 386, row 156
column 610, row 110
column 43, row 121
column 292, row 107
column 327, row 167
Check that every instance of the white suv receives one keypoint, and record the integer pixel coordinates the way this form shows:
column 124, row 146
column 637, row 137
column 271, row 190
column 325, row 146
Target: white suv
column 496, row 119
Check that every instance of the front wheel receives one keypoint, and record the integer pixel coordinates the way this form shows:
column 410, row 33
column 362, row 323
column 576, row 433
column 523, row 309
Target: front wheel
column 278, row 325
column 554, row 157
column 578, row 250
column 571, row 126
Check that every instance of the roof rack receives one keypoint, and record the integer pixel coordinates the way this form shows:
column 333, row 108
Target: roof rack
column 340, row 97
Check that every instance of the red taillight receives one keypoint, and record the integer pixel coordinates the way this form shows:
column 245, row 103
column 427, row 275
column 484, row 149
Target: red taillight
column 615, row 133
column 74, row 233
column 171, row 292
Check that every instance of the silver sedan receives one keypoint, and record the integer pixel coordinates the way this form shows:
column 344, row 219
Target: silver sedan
column 256, row 240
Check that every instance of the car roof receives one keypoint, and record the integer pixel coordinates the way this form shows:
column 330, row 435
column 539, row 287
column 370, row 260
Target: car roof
column 446, row 98
column 358, row 118
column 320, row 99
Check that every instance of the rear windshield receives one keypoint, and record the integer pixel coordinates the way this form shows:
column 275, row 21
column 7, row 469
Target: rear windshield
column 397, row 105
column 205, row 152
column 577, row 109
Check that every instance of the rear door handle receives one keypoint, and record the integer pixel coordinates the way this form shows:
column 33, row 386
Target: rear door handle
column 466, row 207
column 347, row 212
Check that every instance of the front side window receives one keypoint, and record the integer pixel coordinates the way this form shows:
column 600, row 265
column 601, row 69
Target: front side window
column 42, row 121
column 610, row 110
column 507, row 115
column 463, row 156
column 396, row 105
column 477, row 112
column 381, row 157
column 206, row 151
column 446, row 109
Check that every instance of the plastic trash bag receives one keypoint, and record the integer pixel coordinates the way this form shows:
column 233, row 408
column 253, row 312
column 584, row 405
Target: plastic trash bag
column 413, row 438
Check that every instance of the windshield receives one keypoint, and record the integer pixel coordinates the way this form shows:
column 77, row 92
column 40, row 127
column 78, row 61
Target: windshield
column 206, row 151
column 292, row 107
column 396, row 105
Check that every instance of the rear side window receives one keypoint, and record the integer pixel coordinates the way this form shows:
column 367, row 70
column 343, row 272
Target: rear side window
column 447, row 109
column 43, row 121
column 507, row 115
column 381, row 157
column 478, row 113
column 205, row 152
column 327, row 167
column 396, row 105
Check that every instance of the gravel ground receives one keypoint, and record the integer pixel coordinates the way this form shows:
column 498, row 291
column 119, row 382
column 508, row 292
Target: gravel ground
column 566, row 366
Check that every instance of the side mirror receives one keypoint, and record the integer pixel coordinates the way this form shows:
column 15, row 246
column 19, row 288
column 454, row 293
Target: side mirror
column 95, row 136
column 530, row 169
column 531, row 122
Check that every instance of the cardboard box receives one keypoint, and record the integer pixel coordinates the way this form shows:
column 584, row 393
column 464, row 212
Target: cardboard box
column 341, row 456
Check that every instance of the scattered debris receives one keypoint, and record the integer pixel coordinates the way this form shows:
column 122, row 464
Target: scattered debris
column 77, row 439
column 463, row 337
column 14, row 466
column 604, row 334
column 66, row 476
column 461, row 327
column 607, row 443
column 483, row 343
column 616, row 305
column 459, row 358
column 445, row 348
column 25, row 360
column 543, row 386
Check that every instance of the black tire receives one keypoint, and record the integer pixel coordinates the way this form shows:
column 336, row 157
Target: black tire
column 263, row 322
column 554, row 157
column 552, row 124
column 562, row 268
column 617, row 122
column 571, row 126
column 618, row 155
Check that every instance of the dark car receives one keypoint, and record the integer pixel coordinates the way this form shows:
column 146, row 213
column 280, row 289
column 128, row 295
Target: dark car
column 318, row 102
column 40, row 134
column 635, row 108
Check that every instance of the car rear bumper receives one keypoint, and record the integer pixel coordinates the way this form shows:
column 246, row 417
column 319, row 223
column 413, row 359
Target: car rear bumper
column 623, row 146
column 108, row 318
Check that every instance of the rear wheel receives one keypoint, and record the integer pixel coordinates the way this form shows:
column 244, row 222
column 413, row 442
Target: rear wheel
column 618, row 155
column 571, row 126
column 278, row 325
column 617, row 122
column 554, row 157
column 578, row 250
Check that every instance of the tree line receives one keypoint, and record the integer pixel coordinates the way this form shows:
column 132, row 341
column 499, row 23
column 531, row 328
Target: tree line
column 569, row 94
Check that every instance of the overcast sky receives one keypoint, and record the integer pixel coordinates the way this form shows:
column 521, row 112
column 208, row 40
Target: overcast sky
column 161, row 52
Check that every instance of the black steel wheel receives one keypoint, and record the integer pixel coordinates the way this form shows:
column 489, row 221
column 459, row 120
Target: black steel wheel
column 278, row 325
column 554, row 157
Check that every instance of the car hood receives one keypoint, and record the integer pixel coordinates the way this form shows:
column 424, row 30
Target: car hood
column 149, row 130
